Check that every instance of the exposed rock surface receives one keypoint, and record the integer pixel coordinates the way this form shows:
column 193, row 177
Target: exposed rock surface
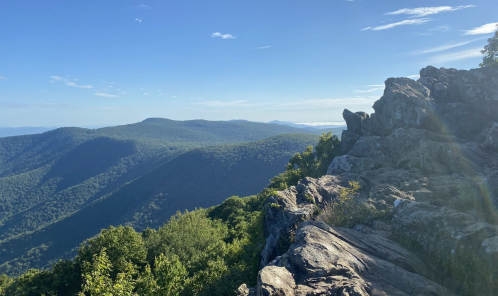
column 429, row 154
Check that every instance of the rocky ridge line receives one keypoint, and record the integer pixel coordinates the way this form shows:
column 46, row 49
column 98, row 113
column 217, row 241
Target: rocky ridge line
column 429, row 154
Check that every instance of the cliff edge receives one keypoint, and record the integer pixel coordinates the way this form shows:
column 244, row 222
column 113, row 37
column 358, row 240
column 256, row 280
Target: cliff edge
column 428, row 157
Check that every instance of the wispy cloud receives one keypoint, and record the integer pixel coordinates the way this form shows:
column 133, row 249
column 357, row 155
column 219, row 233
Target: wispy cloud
column 461, row 55
column 264, row 47
column 100, row 94
column 416, row 76
column 67, row 82
column 425, row 11
column 143, row 6
column 138, row 20
column 222, row 36
column 402, row 23
column 241, row 103
column 443, row 28
column 446, row 47
column 3, row 78
column 376, row 85
column 484, row 29
column 367, row 28
column 371, row 90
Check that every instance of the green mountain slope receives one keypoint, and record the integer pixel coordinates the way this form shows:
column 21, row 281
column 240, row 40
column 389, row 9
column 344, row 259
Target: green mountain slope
column 45, row 177
column 111, row 180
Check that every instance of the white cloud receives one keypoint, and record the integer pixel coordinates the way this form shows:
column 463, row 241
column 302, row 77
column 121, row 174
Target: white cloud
column 413, row 76
column 2, row 78
column 446, row 47
column 106, row 95
column 402, row 23
column 138, row 20
column 370, row 90
column 145, row 94
column 367, row 28
column 443, row 28
column 223, row 36
column 484, row 29
column 424, row 34
column 425, row 11
column 241, row 103
column 461, row 55
column 174, row 97
column 143, row 6
column 67, row 82
column 264, row 47
column 79, row 86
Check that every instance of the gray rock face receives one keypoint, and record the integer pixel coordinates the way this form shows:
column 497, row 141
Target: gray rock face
column 293, row 206
column 244, row 290
column 405, row 103
column 451, row 238
column 429, row 154
column 336, row 261
column 492, row 137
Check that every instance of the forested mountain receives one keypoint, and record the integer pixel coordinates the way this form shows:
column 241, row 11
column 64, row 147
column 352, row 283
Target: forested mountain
column 61, row 187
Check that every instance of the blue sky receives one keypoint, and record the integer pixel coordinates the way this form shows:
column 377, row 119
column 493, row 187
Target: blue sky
column 102, row 62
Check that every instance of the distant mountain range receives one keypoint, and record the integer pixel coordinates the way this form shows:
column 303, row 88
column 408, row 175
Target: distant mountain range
column 63, row 186
column 20, row 131
column 336, row 129
column 17, row 131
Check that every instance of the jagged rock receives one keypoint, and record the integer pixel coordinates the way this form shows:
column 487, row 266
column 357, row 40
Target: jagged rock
column 453, row 239
column 353, row 120
column 291, row 207
column 405, row 103
column 336, row 261
column 429, row 154
column 244, row 290
column 441, row 90
column 492, row 137
column 428, row 82
column 348, row 139
column 430, row 72
column 275, row 281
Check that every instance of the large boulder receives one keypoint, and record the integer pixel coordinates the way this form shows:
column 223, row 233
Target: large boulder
column 405, row 103
column 328, row 260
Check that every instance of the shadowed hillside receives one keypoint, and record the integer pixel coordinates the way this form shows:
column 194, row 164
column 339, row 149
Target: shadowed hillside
column 201, row 177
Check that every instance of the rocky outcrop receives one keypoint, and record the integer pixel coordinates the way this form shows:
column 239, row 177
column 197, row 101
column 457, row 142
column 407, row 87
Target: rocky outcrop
column 336, row 261
column 429, row 155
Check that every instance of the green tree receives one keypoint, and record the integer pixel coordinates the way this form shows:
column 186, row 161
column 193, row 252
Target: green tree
column 490, row 52
column 97, row 279
column 123, row 245
column 171, row 275
column 5, row 281
column 312, row 162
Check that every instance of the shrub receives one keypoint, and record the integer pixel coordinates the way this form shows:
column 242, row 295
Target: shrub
column 347, row 211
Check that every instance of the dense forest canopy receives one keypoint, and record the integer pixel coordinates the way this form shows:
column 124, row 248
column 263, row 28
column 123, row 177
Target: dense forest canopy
column 203, row 252
column 64, row 186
